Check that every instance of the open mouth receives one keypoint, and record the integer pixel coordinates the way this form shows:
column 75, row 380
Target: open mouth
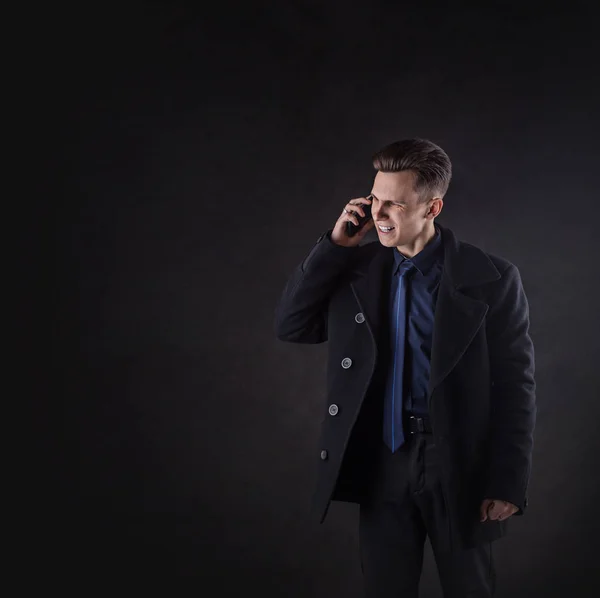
column 386, row 229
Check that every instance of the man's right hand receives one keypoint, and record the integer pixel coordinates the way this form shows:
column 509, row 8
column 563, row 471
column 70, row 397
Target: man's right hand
column 338, row 235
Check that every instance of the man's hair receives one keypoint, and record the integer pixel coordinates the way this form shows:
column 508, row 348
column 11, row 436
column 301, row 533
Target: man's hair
column 428, row 161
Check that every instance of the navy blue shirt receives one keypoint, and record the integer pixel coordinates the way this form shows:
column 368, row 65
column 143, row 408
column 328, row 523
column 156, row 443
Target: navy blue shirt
column 421, row 295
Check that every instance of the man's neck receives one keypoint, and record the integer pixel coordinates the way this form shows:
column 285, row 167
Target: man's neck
column 418, row 244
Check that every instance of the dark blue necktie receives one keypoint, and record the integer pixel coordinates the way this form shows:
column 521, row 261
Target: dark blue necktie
column 393, row 433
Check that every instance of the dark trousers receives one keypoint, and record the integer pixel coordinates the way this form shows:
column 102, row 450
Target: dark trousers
column 405, row 506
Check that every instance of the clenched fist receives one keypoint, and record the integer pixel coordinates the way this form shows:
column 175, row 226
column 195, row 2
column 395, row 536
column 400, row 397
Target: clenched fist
column 496, row 510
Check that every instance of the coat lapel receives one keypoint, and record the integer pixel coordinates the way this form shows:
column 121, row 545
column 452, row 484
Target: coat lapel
column 371, row 286
column 458, row 316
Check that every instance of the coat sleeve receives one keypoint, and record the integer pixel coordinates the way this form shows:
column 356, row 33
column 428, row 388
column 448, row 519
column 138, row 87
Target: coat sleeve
column 513, row 403
column 301, row 313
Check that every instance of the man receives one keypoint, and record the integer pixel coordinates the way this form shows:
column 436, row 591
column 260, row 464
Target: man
column 430, row 381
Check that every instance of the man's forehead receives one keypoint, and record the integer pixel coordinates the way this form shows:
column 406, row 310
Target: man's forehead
column 395, row 178
column 392, row 185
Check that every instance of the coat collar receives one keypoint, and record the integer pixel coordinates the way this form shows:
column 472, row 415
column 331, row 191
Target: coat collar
column 464, row 265
column 457, row 315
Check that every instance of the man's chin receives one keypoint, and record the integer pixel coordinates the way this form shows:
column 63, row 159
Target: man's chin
column 388, row 240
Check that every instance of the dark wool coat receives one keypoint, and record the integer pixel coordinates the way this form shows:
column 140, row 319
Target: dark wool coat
column 481, row 392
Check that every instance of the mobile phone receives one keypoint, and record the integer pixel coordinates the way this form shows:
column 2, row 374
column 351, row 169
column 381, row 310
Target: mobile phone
column 351, row 228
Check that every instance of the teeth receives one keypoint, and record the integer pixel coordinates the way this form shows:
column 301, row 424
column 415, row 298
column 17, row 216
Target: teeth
column 386, row 228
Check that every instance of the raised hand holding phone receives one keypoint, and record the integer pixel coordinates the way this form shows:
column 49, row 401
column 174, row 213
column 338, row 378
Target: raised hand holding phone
column 354, row 222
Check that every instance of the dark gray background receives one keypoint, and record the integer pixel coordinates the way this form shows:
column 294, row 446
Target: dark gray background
column 194, row 156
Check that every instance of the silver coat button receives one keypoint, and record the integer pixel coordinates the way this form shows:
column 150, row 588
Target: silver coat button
column 333, row 409
column 360, row 318
column 346, row 363
column 323, row 455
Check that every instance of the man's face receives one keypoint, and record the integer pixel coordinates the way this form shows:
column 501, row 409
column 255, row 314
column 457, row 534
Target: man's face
column 395, row 203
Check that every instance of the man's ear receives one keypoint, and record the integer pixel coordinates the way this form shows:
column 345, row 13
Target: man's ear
column 431, row 207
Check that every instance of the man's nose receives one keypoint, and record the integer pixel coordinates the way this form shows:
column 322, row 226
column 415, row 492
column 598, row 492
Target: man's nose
column 377, row 214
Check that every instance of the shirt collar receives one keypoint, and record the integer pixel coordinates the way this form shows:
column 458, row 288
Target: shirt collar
column 423, row 260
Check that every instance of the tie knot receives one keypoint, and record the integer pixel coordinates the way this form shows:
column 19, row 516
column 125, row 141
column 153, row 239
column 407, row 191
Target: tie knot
column 405, row 267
